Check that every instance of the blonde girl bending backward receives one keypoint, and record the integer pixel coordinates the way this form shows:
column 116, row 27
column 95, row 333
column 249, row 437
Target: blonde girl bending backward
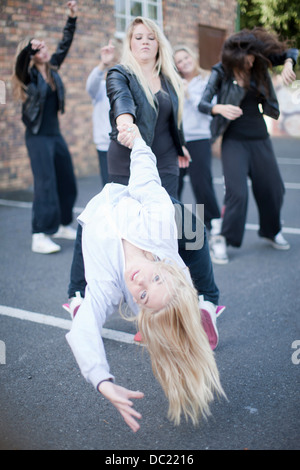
column 130, row 252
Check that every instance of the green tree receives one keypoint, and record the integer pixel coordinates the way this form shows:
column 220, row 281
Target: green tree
column 280, row 16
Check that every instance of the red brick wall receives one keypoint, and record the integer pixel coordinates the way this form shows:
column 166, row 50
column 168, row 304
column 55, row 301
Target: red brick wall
column 95, row 25
column 182, row 18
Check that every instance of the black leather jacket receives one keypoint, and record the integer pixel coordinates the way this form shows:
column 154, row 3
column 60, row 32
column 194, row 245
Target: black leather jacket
column 33, row 107
column 228, row 92
column 127, row 97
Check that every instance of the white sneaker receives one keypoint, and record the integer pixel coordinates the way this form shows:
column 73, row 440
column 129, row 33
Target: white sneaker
column 216, row 226
column 218, row 249
column 42, row 243
column 279, row 242
column 65, row 231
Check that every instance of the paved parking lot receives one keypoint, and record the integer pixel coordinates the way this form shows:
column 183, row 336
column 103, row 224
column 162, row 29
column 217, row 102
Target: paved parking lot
column 46, row 404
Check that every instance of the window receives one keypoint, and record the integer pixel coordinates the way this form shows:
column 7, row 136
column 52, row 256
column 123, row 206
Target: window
column 126, row 10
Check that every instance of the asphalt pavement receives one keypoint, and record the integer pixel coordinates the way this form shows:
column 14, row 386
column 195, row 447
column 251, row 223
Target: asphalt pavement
column 45, row 404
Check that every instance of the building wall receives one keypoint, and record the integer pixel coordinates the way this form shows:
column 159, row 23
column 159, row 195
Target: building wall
column 182, row 18
column 95, row 26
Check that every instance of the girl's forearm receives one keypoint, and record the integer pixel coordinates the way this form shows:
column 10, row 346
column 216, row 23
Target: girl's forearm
column 124, row 119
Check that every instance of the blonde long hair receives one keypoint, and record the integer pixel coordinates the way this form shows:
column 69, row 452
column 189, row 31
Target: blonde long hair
column 164, row 62
column 18, row 87
column 198, row 70
column 181, row 357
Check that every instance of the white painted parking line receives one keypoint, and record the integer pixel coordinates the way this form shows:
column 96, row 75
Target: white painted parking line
column 22, row 205
column 286, row 185
column 290, row 230
column 288, row 161
column 292, row 185
column 78, row 210
column 50, row 320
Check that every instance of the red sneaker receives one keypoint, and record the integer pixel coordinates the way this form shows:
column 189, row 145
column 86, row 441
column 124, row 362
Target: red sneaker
column 220, row 310
column 210, row 327
column 138, row 337
column 74, row 305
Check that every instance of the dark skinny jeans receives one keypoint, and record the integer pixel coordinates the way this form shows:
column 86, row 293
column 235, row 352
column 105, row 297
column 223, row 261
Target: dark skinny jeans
column 198, row 260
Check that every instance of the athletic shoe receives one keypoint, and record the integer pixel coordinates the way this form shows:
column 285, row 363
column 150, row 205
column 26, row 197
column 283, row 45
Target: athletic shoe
column 138, row 337
column 73, row 305
column 42, row 243
column 208, row 320
column 65, row 231
column 220, row 309
column 209, row 315
column 216, row 225
column 210, row 328
column 279, row 242
column 218, row 249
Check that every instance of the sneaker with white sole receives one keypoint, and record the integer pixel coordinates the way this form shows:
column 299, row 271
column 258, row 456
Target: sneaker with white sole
column 218, row 249
column 209, row 315
column 279, row 242
column 65, row 231
column 73, row 305
column 216, row 226
column 42, row 243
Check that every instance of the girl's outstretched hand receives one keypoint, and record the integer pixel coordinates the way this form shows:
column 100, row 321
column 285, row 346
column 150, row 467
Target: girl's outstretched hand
column 288, row 75
column 36, row 44
column 121, row 397
column 72, row 5
column 128, row 132
column 108, row 54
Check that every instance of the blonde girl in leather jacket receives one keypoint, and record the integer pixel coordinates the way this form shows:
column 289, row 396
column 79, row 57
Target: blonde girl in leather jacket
column 37, row 84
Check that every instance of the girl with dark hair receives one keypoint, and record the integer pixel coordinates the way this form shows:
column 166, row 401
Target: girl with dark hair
column 37, row 83
column 245, row 92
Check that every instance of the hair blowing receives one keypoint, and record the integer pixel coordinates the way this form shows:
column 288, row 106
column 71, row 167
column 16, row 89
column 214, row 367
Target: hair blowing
column 181, row 357
column 257, row 42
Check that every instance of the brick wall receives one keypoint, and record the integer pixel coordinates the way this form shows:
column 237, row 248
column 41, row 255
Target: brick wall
column 181, row 18
column 95, row 25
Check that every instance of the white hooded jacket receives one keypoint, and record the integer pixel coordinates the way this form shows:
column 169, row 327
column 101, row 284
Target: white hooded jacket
column 143, row 214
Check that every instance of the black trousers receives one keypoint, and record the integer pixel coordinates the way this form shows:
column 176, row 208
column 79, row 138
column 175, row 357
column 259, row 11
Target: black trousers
column 254, row 159
column 55, row 188
column 200, row 174
column 198, row 260
column 102, row 157
column 168, row 181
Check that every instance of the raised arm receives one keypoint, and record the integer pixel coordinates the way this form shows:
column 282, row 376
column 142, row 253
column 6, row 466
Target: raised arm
column 107, row 59
column 68, row 34
column 94, row 81
column 22, row 63
column 288, row 60
column 144, row 182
